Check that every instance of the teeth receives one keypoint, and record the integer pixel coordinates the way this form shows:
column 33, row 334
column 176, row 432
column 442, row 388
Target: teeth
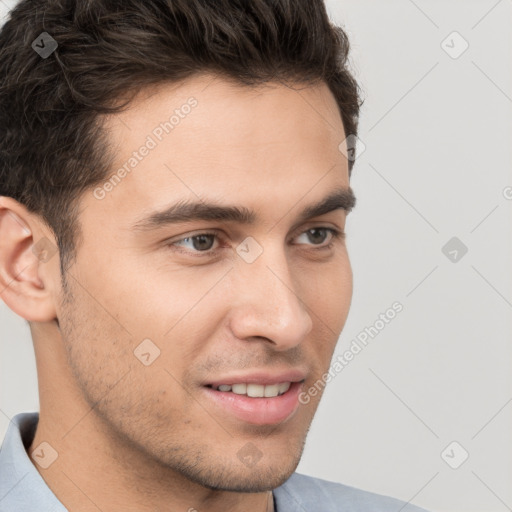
column 257, row 390
column 271, row 390
column 239, row 389
column 284, row 387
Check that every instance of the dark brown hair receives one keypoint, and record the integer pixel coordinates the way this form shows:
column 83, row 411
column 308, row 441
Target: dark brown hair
column 52, row 147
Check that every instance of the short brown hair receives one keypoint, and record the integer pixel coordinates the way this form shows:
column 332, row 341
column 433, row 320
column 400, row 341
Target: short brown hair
column 52, row 147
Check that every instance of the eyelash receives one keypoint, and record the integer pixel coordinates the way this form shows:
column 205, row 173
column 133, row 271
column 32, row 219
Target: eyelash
column 336, row 235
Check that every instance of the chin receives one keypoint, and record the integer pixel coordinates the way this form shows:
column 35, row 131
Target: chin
column 259, row 478
column 254, row 481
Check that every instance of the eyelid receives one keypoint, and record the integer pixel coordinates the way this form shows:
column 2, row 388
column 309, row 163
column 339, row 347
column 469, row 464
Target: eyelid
column 336, row 234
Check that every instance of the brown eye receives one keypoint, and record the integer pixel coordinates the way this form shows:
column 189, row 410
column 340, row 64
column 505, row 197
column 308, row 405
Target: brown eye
column 317, row 236
column 202, row 243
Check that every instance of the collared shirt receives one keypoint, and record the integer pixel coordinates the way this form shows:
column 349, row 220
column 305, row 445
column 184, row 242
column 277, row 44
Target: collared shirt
column 22, row 488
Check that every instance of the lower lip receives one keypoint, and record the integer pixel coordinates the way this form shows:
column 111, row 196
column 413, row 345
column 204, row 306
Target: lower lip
column 258, row 411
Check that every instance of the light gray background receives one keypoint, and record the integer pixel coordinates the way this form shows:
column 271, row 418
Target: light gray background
column 436, row 165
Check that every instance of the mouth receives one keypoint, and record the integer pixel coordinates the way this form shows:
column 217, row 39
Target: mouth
column 254, row 390
column 256, row 399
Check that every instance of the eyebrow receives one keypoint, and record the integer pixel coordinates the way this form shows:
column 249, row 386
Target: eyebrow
column 186, row 211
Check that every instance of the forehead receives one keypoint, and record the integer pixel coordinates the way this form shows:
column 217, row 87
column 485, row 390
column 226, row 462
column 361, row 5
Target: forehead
column 210, row 138
column 213, row 114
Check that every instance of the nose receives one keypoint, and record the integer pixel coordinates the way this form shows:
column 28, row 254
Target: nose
column 268, row 304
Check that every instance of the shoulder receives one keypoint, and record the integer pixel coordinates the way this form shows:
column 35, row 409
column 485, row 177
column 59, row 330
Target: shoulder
column 301, row 492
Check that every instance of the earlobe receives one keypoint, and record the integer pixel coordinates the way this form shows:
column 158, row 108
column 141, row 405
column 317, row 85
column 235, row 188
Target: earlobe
column 27, row 258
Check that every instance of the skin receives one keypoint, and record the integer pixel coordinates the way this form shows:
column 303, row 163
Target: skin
column 149, row 430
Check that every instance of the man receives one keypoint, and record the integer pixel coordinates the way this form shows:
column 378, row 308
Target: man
column 174, row 199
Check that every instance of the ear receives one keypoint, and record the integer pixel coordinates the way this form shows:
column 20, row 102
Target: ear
column 29, row 263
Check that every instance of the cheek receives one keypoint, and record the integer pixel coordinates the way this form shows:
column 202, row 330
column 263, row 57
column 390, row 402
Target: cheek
column 159, row 299
column 131, row 311
column 327, row 292
column 341, row 292
column 98, row 348
column 114, row 380
column 337, row 300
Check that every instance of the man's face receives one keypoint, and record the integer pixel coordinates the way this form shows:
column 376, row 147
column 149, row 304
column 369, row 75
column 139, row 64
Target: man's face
column 155, row 319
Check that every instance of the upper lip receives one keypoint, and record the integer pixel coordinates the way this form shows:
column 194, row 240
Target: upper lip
column 260, row 377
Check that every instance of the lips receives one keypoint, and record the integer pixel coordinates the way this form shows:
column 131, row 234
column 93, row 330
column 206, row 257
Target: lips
column 259, row 398
column 259, row 377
